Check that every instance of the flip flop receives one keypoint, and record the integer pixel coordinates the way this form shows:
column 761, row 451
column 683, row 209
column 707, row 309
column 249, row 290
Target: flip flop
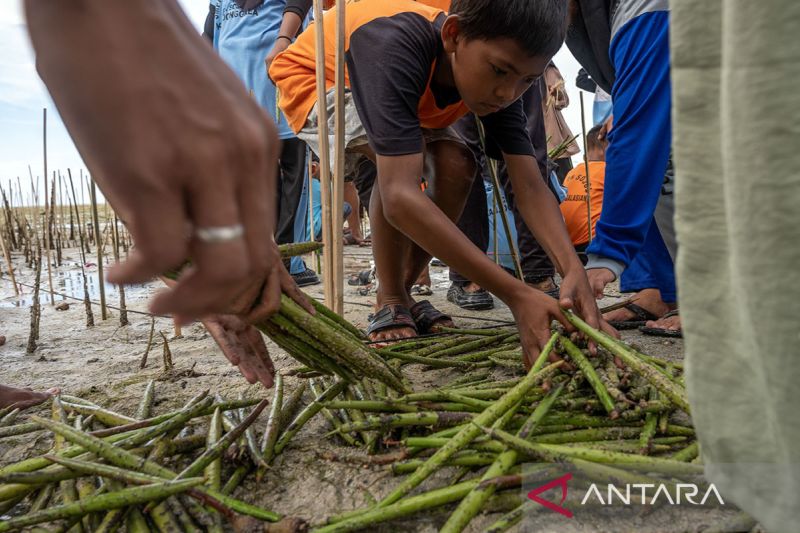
column 641, row 318
column 663, row 332
column 391, row 317
column 426, row 316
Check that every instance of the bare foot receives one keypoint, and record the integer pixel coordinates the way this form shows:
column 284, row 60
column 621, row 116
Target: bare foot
column 648, row 299
column 669, row 323
column 24, row 398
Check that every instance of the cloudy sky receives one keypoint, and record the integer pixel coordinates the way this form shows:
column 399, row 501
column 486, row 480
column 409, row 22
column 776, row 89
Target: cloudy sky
column 23, row 96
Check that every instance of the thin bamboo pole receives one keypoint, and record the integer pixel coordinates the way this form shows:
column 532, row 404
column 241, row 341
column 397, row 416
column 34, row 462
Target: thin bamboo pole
column 48, row 237
column 588, row 179
column 324, row 158
column 86, row 302
column 123, row 314
column 99, row 244
column 512, row 245
column 337, row 209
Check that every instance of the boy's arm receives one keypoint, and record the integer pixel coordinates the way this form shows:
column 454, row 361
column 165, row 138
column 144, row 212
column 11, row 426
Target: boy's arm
column 542, row 215
column 429, row 227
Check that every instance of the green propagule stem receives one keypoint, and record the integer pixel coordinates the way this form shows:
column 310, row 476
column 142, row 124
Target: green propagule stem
column 104, row 502
column 125, row 459
column 145, row 407
column 591, row 376
column 412, row 505
column 469, row 432
column 477, row 498
column 307, row 414
column 661, row 382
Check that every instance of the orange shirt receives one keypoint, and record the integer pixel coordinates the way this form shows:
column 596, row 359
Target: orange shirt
column 574, row 206
column 293, row 71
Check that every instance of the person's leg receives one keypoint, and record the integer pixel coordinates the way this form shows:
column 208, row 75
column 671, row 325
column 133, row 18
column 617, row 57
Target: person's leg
column 737, row 191
column 292, row 176
column 537, row 269
column 650, row 272
column 473, row 222
column 398, row 261
column 353, row 217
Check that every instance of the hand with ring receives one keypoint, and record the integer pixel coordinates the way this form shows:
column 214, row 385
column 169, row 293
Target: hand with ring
column 173, row 140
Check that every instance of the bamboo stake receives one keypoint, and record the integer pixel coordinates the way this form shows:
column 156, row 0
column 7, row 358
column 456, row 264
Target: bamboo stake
column 337, row 209
column 512, row 244
column 123, row 313
column 324, row 158
column 586, row 164
column 87, row 304
column 47, row 234
column 98, row 243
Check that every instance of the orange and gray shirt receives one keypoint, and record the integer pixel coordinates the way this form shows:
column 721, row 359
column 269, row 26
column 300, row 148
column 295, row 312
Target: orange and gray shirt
column 574, row 207
column 391, row 49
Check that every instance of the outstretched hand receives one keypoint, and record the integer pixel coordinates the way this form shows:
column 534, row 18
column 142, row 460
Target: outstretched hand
column 578, row 296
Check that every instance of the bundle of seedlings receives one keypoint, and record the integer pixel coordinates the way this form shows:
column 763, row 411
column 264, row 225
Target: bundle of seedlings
column 324, row 341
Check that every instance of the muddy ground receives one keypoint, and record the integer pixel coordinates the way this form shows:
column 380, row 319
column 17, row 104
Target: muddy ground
column 101, row 364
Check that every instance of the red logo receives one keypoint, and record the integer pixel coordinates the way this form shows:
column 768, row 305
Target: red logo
column 559, row 482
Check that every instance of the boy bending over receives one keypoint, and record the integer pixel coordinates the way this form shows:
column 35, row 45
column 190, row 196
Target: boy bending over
column 412, row 71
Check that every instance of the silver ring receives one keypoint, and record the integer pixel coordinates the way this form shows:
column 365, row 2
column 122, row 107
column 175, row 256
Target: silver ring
column 214, row 234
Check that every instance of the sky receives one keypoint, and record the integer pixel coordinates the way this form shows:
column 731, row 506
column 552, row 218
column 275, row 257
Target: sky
column 23, row 97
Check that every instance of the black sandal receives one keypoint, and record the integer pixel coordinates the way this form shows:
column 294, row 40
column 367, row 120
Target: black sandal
column 664, row 332
column 391, row 317
column 641, row 318
column 427, row 317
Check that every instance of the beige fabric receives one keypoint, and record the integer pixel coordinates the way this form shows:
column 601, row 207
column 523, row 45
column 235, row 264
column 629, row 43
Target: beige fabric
column 736, row 74
column 553, row 102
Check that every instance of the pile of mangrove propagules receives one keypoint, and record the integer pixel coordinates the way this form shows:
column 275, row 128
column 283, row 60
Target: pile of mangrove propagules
column 147, row 472
column 620, row 407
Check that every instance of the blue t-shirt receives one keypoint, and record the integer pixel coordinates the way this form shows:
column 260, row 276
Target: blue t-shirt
column 243, row 38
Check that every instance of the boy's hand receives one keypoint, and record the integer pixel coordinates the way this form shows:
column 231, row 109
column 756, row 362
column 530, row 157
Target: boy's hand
column 598, row 279
column 578, row 296
column 533, row 312
column 244, row 347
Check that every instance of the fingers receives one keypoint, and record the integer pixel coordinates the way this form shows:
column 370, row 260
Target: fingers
column 159, row 232
column 218, row 267
column 290, row 289
column 270, row 299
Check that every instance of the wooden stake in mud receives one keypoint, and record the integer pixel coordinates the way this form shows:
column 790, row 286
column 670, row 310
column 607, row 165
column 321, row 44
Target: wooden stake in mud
column 123, row 310
column 143, row 363
column 35, row 309
column 48, row 237
column 324, row 158
column 166, row 355
column 47, row 243
column 586, row 164
column 10, row 231
column 99, row 244
column 337, row 208
column 87, row 304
